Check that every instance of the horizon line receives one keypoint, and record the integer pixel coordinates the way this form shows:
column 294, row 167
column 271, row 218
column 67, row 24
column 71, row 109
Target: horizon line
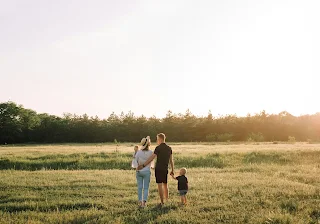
column 188, row 111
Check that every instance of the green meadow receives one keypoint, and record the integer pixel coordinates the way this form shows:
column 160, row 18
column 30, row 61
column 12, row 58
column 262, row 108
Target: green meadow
column 93, row 183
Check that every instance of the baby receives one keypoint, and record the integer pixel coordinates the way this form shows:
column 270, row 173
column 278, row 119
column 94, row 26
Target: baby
column 182, row 185
column 134, row 162
column 136, row 148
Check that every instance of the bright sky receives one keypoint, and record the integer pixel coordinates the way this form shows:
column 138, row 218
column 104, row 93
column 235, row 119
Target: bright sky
column 99, row 56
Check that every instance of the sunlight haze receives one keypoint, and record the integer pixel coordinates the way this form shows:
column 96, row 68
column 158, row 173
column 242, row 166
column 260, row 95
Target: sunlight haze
column 96, row 57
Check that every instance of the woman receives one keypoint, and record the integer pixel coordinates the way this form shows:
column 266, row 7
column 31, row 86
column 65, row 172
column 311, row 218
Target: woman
column 143, row 175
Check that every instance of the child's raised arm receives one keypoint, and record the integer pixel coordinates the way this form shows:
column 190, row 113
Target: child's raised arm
column 173, row 177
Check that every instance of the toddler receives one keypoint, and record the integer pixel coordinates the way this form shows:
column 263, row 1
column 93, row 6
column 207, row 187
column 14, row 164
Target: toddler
column 182, row 185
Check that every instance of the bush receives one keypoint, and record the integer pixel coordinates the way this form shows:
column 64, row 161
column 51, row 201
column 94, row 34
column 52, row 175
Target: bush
column 255, row 137
column 211, row 138
column 313, row 141
column 225, row 137
column 291, row 139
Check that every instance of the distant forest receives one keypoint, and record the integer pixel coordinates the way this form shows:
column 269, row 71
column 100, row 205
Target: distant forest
column 21, row 125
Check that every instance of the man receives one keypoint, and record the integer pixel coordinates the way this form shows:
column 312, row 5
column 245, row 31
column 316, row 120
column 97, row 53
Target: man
column 163, row 152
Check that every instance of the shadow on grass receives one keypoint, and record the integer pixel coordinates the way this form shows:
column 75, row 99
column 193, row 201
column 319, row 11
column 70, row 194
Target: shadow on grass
column 98, row 161
column 71, row 187
column 7, row 164
column 79, row 161
column 270, row 158
column 84, row 219
column 102, row 155
column 148, row 215
column 18, row 200
column 315, row 216
column 210, row 160
column 42, row 207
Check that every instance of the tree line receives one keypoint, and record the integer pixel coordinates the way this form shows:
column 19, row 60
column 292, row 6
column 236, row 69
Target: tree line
column 21, row 125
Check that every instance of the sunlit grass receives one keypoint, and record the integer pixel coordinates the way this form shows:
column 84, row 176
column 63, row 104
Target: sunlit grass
column 228, row 184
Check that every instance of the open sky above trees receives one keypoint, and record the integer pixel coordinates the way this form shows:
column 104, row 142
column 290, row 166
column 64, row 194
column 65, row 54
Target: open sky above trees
column 95, row 57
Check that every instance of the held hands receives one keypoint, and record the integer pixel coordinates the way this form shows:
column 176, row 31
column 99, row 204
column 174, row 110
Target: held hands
column 172, row 175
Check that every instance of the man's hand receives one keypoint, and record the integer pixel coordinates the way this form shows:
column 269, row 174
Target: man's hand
column 171, row 164
column 139, row 167
column 172, row 173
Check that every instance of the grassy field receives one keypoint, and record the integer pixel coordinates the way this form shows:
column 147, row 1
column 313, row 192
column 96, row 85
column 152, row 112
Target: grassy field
column 265, row 183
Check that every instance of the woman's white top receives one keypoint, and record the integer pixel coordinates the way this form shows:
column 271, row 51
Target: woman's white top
column 141, row 157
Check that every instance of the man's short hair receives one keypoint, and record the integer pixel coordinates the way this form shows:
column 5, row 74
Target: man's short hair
column 161, row 136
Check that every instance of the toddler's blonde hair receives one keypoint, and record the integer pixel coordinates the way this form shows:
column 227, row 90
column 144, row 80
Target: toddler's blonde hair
column 184, row 170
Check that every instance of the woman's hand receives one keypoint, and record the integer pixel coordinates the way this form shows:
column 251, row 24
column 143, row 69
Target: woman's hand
column 139, row 167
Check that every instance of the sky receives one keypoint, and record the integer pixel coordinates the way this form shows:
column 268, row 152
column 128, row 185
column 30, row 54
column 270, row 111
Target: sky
column 148, row 57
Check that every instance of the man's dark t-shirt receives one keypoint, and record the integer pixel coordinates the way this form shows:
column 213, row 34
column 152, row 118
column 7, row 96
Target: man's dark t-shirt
column 163, row 152
column 182, row 182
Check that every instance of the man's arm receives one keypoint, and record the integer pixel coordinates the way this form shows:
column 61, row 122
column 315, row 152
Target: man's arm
column 148, row 161
column 172, row 175
column 172, row 165
column 151, row 158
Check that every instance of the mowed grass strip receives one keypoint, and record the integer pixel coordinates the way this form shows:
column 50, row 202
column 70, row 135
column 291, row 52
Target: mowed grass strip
column 122, row 161
column 74, row 161
column 100, row 161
